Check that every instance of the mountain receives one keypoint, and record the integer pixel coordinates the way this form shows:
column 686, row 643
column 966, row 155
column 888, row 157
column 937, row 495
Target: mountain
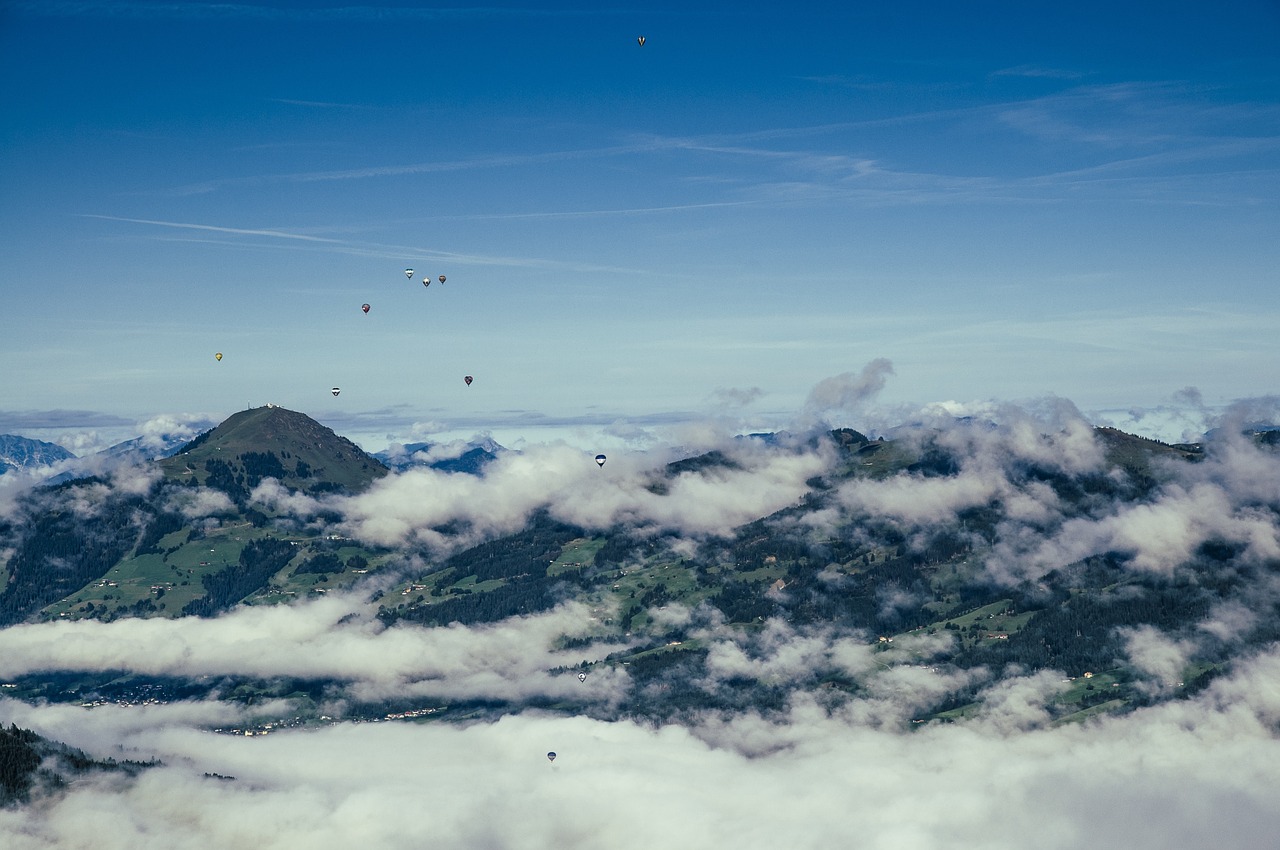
column 979, row 552
column 146, row 448
column 272, row 442
column 472, row 460
column 24, row 453
column 923, row 582
column 191, row 543
column 139, row 450
column 32, row 764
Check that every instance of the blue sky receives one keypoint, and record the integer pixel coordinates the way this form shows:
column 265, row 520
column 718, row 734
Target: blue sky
column 1005, row 200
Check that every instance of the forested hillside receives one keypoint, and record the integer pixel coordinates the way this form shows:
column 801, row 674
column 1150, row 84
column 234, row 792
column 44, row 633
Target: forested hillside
column 31, row 763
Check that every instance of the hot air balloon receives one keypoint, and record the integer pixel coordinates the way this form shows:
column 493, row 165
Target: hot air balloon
column 640, row 41
column 218, row 356
column 468, row 379
column 551, row 756
column 600, row 459
column 582, row 677
column 426, row 281
column 408, row 273
column 336, row 390
column 364, row 307
column 440, row 278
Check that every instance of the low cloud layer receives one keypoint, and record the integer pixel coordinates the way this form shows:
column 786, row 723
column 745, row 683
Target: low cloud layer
column 331, row 638
column 414, row 505
column 1182, row 776
column 1019, row 461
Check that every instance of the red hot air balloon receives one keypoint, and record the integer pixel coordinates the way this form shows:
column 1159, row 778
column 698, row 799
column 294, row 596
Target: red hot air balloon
column 468, row 379
column 364, row 307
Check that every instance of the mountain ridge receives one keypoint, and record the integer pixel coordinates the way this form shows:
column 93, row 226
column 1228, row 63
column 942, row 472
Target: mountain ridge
column 17, row 453
column 472, row 459
column 275, row 442
column 840, row 560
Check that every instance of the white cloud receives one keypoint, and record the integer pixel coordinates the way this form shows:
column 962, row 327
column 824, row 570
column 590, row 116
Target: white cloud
column 1197, row 775
column 1157, row 657
column 846, row 393
column 775, row 655
column 270, row 493
column 1158, row 537
column 162, row 431
column 1230, row 620
column 321, row 639
column 1018, row 703
column 134, row 480
column 917, row 500
column 413, row 505
column 196, row 502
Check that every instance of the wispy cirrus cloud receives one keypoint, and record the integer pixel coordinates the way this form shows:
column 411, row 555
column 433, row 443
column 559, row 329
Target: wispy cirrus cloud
column 1040, row 71
column 1161, row 127
column 212, row 228
column 488, row 161
column 371, row 249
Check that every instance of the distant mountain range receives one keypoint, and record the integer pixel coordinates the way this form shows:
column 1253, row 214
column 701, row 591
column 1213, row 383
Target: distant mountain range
column 146, row 448
column 472, row 459
column 24, row 453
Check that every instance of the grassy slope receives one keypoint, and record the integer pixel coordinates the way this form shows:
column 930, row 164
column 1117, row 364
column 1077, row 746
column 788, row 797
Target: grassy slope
column 617, row 593
column 291, row 436
column 184, row 562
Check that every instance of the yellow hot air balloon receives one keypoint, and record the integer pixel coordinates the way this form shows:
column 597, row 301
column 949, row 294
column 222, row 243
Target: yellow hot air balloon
column 218, row 356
